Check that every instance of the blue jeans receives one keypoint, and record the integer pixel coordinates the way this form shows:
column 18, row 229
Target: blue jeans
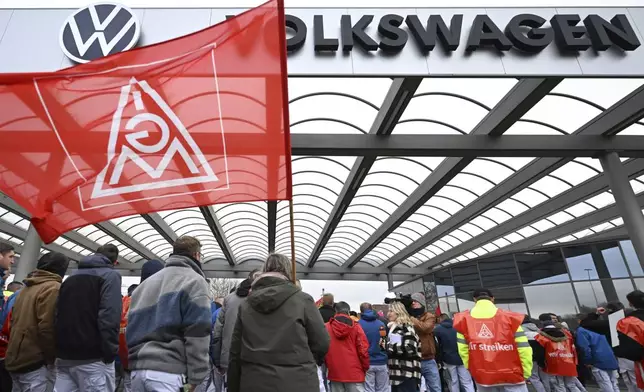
column 429, row 370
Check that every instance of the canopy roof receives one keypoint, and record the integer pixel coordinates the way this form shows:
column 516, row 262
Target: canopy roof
column 401, row 203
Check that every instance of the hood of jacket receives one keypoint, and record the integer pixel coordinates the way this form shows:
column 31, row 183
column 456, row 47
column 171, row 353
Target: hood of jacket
column 369, row 315
column 341, row 325
column 40, row 276
column 554, row 334
column 96, row 260
column 269, row 293
column 530, row 327
column 186, row 262
column 447, row 324
column 244, row 288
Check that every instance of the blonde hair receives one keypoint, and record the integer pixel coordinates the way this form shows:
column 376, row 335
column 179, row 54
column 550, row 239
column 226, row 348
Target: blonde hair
column 401, row 312
column 279, row 263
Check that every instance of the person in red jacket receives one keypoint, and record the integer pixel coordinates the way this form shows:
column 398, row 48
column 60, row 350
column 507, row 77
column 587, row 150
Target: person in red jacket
column 348, row 358
column 630, row 331
column 560, row 357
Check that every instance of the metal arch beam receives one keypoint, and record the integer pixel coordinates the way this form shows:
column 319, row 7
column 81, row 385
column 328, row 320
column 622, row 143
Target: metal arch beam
column 618, row 117
column 602, row 215
column 161, row 226
column 217, row 231
column 519, row 180
column 396, row 101
column 590, row 188
column 73, row 236
column 271, row 211
column 218, row 265
column 518, row 101
column 17, row 232
column 120, row 235
column 304, row 276
column 470, row 146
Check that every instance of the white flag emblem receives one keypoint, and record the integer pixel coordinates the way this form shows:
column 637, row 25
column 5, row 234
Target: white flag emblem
column 177, row 145
column 485, row 332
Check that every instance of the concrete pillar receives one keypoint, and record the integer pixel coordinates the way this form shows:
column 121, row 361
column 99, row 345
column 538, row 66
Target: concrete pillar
column 626, row 201
column 29, row 255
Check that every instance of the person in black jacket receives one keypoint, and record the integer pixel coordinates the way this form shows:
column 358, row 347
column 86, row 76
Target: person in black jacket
column 327, row 310
column 630, row 349
column 88, row 319
column 459, row 377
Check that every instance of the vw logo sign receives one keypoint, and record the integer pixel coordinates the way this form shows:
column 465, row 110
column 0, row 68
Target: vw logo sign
column 99, row 30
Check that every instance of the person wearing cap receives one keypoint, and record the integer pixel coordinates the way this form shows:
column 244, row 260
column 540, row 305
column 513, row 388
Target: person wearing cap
column 32, row 350
column 493, row 345
column 424, row 323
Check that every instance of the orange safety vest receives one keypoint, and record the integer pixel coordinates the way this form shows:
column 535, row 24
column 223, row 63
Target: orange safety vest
column 561, row 357
column 123, row 352
column 634, row 329
column 494, row 355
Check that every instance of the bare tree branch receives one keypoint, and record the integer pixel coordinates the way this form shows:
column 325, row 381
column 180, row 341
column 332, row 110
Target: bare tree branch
column 221, row 287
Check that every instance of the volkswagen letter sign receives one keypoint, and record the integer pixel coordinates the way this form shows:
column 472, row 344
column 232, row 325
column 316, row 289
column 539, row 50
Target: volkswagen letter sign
column 99, row 30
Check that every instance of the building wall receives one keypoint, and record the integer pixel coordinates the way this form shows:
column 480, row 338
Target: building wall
column 563, row 280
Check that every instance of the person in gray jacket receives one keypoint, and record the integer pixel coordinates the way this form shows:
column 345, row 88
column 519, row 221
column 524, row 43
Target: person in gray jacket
column 225, row 324
column 169, row 321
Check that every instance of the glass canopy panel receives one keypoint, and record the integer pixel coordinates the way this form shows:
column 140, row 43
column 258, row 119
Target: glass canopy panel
column 139, row 229
column 602, row 92
column 103, row 238
column 350, row 105
column 313, row 207
column 191, row 222
column 391, row 180
column 14, row 219
column 554, row 111
column 245, row 226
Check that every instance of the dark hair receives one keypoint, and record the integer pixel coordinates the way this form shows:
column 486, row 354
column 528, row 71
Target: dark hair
column 342, row 307
column 12, row 286
column 613, row 307
column 636, row 298
column 6, row 248
column 365, row 306
column 110, row 251
column 353, row 313
column 186, row 246
column 482, row 293
column 131, row 289
column 547, row 316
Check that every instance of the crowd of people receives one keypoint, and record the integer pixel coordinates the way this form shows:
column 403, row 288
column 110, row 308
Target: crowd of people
column 168, row 334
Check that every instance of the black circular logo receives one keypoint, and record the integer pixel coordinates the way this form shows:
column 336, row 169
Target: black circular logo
column 99, row 30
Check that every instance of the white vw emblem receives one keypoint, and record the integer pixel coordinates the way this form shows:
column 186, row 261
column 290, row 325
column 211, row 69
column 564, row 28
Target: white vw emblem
column 99, row 30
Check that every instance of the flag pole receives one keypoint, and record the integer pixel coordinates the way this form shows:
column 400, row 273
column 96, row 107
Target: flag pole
column 293, row 264
column 281, row 19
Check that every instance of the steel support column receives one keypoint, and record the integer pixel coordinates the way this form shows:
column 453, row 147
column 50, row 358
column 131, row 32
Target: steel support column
column 29, row 255
column 626, row 201
column 390, row 282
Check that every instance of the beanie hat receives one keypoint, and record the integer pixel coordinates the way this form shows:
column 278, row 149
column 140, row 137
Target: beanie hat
column 420, row 298
column 150, row 268
column 53, row 262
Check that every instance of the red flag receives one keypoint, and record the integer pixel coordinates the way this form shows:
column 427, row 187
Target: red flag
column 194, row 121
column 438, row 310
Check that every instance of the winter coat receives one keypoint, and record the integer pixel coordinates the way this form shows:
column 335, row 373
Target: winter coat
column 278, row 336
column 4, row 318
column 348, row 356
column 531, row 331
column 169, row 324
column 404, row 357
column 630, row 348
column 88, row 313
column 225, row 325
column 376, row 332
column 32, row 343
column 594, row 350
column 446, row 335
column 327, row 312
column 424, row 326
